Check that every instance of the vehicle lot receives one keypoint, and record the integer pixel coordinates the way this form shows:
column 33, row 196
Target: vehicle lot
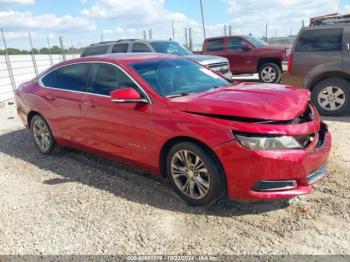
column 75, row 203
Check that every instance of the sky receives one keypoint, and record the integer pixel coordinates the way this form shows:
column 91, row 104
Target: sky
column 81, row 22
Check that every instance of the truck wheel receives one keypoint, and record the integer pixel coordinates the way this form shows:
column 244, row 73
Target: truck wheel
column 332, row 96
column 195, row 175
column 270, row 73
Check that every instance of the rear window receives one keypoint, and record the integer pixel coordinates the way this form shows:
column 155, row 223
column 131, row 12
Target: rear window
column 322, row 40
column 120, row 48
column 95, row 50
column 215, row 45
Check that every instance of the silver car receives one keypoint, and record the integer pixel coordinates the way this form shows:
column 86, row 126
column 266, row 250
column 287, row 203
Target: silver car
column 216, row 63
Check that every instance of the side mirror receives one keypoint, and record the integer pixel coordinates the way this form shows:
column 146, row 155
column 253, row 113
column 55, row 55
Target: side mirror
column 246, row 47
column 127, row 95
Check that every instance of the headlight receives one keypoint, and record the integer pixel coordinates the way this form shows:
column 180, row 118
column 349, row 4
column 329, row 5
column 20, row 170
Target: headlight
column 257, row 142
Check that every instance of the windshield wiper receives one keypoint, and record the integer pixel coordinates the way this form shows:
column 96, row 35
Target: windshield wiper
column 178, row 95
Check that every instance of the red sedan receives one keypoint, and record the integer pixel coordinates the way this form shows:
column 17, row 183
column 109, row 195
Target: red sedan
column 173, row 117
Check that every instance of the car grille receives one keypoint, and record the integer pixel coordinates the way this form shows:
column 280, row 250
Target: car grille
column 220, row 67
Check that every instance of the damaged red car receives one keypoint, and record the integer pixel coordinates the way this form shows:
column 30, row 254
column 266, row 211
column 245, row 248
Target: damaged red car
column 176, row 118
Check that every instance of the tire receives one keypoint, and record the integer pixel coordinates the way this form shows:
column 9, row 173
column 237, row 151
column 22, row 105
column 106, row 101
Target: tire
column 270, row 73
column 332, row 96
column 41, row 131
column 207, row 187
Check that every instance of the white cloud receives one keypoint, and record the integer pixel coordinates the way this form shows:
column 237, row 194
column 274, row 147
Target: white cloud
column 21, row 21
column 20, row 2
column 250, row 16
column 346, row 9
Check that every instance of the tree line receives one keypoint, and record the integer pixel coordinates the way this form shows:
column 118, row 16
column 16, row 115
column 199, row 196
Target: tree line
column 53, row 50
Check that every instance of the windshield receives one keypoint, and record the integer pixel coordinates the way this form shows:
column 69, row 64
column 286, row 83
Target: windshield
column 170, row 47
column 173, row 77
column 257, row 42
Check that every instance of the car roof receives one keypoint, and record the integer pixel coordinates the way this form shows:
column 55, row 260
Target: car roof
column 330, row 26
column 123, row 58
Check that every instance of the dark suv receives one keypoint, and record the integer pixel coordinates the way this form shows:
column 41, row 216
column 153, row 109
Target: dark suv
column 320, row 61
column 215, row 63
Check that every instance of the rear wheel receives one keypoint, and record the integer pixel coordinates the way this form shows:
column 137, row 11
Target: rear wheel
column 195, row 175
column 332, row 96
column 42, row 134
column 270, row 73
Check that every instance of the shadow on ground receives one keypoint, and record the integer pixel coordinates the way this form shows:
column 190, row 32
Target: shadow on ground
column 120, row 180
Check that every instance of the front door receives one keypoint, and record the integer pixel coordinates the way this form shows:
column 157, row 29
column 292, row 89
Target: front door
column 118, row 129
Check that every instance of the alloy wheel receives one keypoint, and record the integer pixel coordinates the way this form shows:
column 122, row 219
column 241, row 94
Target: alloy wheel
column 42, row 135
column 190, row 174
column 331, row 98
column 268, row 74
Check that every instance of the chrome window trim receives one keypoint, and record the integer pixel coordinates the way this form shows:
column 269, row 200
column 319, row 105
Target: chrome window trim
column 41, row 84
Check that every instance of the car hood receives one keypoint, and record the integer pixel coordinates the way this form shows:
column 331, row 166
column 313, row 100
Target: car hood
column 206, row 59
column 247, row 100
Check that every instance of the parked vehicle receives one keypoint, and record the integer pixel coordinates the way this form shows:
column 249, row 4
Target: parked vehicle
column 215, row 63
column 171, row 116
column 320, row 62
column 248, row 55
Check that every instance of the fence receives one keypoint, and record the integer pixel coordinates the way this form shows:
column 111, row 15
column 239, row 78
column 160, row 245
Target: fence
column 18, row 68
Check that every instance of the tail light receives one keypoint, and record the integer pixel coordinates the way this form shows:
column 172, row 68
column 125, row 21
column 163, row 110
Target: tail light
column 290, row 63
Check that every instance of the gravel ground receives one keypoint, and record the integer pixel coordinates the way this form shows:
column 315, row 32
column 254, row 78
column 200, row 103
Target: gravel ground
column 75, row 203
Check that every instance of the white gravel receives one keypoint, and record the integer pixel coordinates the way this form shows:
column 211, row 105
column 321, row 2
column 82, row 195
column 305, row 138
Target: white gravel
column 75, row 203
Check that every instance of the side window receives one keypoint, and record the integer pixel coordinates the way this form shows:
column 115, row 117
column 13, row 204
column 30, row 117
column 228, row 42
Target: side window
column 215, row 45
column 321, row 40
column 106, row 78
column 120, row 48
column 235, row 43
column 140, row 47
column 95, row 50
column 70, row 77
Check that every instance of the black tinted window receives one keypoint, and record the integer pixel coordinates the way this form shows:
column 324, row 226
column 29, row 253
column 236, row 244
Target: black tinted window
column 120, row 48
column 49, row 78
column 215, row 45
column 139, row 47
column 235, row 43
column 95, row 50
column 320, row 40
column 106, row 78
column 71, row 77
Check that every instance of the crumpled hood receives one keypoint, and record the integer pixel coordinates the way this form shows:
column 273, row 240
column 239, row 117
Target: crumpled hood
column 247, row 100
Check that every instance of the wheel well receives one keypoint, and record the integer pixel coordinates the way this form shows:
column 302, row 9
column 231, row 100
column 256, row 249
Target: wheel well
column 326, row 75
column 263, row 61
column 170, row 143
column 30, row 115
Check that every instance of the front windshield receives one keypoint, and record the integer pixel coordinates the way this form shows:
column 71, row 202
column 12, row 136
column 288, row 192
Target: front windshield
column 170, row 47
column 172, row 77
column 257, row 42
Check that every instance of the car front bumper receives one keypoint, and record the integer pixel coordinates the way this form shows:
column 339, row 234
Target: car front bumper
column 245, row 168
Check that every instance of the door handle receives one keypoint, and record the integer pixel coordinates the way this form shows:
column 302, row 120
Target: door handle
column 51, row 97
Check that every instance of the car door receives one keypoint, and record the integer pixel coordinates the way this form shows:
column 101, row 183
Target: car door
column 118, row 129
column 241, row 61
column 63, row 94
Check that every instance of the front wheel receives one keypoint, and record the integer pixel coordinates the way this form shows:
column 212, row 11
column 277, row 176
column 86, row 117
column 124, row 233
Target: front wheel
column 270, row 73
column 195, row 174
column 332, row 96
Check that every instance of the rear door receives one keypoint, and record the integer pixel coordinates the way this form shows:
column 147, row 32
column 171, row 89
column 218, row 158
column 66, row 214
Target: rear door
column 64, row 94
column 346, row 50
column 317, row 51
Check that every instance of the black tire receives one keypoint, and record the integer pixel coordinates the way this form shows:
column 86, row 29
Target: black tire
column 52, row 146
column 321, row 89
column 275, row 68
column 217, row 185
